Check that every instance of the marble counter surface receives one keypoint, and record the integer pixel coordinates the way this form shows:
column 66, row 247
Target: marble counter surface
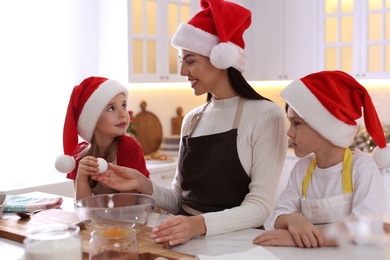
column 241, row 241
column 218, row 245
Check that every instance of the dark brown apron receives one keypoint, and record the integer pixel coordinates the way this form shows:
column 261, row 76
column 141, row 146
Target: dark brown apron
column 213, row 178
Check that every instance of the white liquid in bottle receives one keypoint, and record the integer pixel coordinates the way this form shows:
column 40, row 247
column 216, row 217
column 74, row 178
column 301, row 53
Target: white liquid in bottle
column 54, row 242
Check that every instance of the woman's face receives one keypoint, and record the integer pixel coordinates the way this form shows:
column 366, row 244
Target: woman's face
column 114, row 120
column 203, row 76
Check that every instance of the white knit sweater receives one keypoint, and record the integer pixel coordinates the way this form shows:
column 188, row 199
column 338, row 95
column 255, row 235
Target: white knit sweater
column 262, row 147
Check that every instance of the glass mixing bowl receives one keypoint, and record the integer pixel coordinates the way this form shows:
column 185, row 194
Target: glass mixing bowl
column 122, row 210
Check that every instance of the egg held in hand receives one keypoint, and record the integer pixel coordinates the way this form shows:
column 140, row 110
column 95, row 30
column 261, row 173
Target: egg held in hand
column 103, row 166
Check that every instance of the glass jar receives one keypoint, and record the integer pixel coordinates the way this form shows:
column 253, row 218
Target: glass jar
column 113, row 243
column 53, row 242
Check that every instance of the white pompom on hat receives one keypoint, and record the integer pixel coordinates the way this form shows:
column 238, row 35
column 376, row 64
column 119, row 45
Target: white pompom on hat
column 86, row 104
column 216, row 32
column 331, row 102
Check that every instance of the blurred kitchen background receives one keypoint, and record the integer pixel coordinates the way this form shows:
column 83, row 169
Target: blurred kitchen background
column 47, row 47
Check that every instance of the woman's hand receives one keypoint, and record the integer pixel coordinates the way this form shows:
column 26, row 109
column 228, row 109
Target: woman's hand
column 278, row 237
column 178, row 229
column 124, row 179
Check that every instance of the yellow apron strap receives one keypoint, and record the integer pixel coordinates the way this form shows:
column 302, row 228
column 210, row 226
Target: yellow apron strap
column 347, row 171
column 346, row 174
column 307, row 178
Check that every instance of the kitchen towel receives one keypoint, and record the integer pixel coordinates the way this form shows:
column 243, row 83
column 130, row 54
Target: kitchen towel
column 255, row 253
column 14, row 203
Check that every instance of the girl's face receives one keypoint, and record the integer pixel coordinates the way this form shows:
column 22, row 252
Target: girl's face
column 114, row 120
column 204, row 77
column 303, row 138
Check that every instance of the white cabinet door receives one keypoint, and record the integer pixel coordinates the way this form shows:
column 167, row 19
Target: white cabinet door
column 300, row 38
column 355, row 37
column 285, row 39
column 151, row 24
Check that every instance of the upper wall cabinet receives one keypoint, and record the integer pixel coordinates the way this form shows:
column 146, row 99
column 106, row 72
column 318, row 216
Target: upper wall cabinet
column 151, row 24
column 355, row 37
column 285, row 36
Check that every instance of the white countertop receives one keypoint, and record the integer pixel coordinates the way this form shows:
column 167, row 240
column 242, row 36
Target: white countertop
column 161, row 166
column 241, row 241
column 233, row 242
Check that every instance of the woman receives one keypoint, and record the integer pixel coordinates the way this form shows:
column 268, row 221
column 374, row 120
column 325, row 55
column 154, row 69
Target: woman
column 232, row 148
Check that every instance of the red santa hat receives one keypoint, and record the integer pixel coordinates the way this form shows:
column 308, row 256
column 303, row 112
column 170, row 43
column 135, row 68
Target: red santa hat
column 331, row 102
column 86, row 103
column 216, row 32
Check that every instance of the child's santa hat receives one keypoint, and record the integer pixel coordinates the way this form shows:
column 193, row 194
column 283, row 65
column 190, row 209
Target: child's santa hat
column 330, row 102
column 86, row 104
column 216, row 32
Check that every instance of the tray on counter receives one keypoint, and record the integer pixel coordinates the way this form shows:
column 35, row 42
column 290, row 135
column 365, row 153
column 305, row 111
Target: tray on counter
column 14, row 228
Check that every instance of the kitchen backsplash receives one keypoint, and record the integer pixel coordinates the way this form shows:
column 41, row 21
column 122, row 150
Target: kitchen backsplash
column 163, row 99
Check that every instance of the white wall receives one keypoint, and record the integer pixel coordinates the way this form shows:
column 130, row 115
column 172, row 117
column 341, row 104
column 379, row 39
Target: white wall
column 45, row 49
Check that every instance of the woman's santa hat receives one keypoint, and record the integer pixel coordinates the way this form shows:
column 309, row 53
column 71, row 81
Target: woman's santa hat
column 216, row 32
column 331, row 102
column 86, row 104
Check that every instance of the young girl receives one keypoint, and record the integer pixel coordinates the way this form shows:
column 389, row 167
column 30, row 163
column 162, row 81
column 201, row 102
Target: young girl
column 232, row 148
column 97, row 112
column 330, row 182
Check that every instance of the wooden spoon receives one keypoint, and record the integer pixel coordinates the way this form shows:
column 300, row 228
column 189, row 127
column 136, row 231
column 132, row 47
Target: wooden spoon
column 27, row 214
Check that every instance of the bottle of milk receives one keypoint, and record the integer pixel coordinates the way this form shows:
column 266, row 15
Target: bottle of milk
column 53, row 242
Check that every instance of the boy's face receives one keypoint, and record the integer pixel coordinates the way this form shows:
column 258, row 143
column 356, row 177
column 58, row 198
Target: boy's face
column 303, row 138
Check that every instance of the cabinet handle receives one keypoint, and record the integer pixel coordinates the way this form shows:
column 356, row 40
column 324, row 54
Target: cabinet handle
column 167, row 176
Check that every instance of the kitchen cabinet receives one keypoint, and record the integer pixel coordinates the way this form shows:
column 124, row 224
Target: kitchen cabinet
column 284, row 42
column 162, row 172
column 151, row 24
column 355, row 37
column 281, row 43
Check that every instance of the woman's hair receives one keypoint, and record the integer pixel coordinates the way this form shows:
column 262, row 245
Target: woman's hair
column 241, row 86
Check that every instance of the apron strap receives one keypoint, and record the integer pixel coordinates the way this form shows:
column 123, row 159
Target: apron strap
column 347, row 171
column 190, row 210
column 346, row 174
column 196, row 118
column 237, row 116
column 307, row 178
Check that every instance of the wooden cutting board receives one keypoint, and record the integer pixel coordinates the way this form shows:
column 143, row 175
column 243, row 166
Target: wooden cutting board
column 14, row 228
column 148, row 130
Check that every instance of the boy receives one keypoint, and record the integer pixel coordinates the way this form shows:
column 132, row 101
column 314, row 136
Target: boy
column 330, row 182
